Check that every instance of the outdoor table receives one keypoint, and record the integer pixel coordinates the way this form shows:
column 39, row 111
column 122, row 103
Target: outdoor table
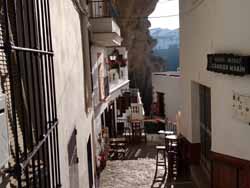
column 117, row 140
column 170, row 139
column 166, row 132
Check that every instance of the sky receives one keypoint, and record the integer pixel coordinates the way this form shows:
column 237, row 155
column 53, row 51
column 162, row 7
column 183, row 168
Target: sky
column 165, row 8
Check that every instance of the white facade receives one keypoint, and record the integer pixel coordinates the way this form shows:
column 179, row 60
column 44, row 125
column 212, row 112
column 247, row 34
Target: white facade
column 105, row 25
column 69, row 76
column 215, row 26
column 168, row 83
column 106, row 31
column 116, row 82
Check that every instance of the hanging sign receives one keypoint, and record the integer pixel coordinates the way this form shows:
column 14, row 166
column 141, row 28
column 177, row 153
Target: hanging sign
column 229, row 64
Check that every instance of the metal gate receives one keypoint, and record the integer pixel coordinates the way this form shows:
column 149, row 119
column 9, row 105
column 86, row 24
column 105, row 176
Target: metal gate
column 27, row 78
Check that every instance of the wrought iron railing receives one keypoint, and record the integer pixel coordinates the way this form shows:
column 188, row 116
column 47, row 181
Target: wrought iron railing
column 27, row 78
column 102, row 8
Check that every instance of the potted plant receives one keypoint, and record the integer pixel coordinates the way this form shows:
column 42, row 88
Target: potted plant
column 123, row 63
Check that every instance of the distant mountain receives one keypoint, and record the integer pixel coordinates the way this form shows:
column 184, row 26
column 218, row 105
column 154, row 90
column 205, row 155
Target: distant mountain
column 171, row 57
column 167, row 46
column 165, row 37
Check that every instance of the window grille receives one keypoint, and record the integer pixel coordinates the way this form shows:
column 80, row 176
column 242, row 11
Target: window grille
column 27, row 78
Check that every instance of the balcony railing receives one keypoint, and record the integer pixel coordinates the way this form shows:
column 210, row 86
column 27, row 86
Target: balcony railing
column 102, row 9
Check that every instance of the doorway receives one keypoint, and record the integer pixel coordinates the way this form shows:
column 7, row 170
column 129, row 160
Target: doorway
column 205, row 127
column 110, row 120
column 161, row 104
column 90, row 170
column 73, row 160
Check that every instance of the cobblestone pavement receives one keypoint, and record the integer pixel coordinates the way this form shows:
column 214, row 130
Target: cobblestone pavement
column 147, row 150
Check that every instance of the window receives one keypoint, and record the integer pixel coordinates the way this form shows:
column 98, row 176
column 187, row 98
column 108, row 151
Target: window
column 27, row 77
column 205, row 125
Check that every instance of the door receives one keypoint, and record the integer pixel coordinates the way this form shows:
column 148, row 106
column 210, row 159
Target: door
column 205, row 126
column 110, row 119
column 161, row 104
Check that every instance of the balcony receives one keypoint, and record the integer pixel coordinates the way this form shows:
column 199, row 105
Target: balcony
column 116, row 81
column 118, row 69
column 106, row 32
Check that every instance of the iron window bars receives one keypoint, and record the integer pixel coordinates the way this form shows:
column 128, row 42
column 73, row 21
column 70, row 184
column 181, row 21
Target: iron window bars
column 27, row 58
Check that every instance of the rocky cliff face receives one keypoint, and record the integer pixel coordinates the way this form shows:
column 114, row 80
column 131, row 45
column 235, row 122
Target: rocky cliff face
column 135, row 31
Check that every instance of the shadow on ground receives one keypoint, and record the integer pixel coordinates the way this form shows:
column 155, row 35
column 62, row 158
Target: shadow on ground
column 147, row 150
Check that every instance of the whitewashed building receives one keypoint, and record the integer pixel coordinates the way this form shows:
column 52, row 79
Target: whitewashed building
column 167, row 93
column 217, row 138
column 109, row 72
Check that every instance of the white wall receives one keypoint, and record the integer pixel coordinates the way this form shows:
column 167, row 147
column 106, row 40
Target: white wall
column 69, row 74
column 215, row 26
column 105, row 25
column 171, row 87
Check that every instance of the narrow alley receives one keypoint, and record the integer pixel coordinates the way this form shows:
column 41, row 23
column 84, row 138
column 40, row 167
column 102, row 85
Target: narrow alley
column 137, row 169
column 124, row 94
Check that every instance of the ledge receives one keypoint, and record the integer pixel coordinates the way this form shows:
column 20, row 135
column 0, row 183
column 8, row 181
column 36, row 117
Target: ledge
column 120, row 85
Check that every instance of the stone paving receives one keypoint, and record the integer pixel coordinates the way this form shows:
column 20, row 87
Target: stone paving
column 147, row 152
column 128, row 173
